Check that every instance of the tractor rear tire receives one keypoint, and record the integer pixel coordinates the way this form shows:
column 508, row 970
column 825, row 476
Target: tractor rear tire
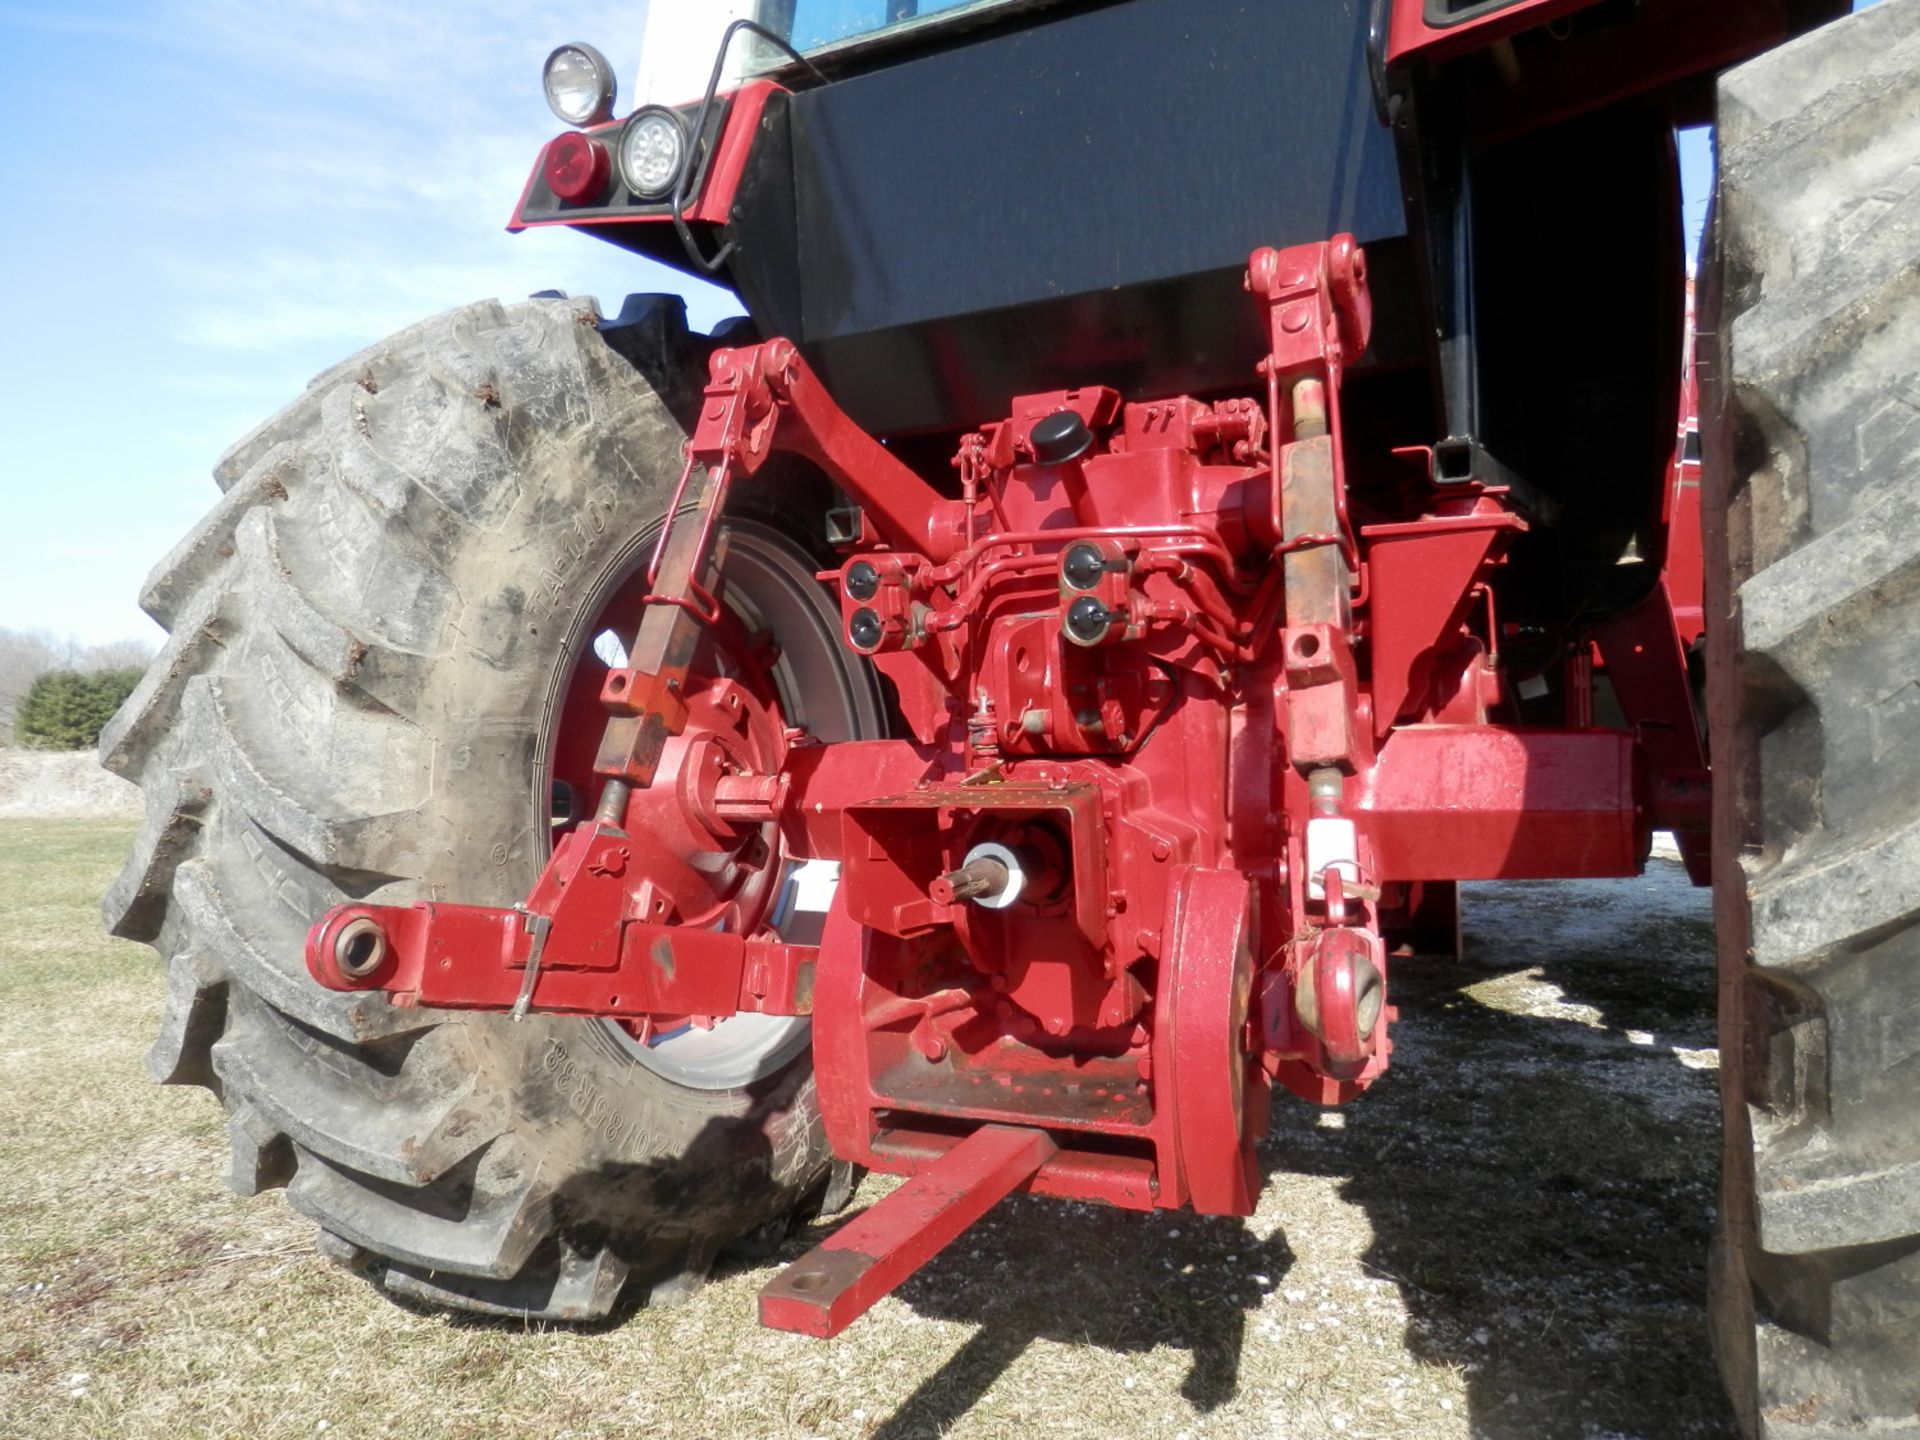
column 365, row 637
column 1810, row 361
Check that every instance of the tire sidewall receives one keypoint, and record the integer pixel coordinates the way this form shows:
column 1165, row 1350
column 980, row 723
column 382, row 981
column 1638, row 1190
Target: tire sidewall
column 594, row 466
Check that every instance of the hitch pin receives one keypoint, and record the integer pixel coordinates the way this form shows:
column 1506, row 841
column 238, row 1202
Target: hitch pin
column 537, row 926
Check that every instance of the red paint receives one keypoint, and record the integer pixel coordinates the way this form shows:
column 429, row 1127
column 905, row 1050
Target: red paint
column 713, row 202
column 1485, row 802
column 1551, row 60
column 1410, row 34
column 838, row 1281
column 1226, row 737
column 1648, row 667
column 1685, row 562
column 1426, row 574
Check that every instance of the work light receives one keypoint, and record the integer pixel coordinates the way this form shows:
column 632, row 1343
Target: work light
column 579, row 84
column 653, row 148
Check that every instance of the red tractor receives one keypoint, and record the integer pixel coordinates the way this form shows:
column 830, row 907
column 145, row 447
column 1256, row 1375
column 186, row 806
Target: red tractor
column 1196, row 483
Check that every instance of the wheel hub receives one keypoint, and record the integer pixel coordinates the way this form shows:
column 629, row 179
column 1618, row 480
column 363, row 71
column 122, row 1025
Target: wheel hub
column 771, row 670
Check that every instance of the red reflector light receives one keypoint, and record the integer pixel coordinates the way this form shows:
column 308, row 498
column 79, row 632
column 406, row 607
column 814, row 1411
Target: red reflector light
column 576, row 168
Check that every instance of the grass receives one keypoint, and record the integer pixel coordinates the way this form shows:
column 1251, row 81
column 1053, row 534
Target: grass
column 1503, row 1239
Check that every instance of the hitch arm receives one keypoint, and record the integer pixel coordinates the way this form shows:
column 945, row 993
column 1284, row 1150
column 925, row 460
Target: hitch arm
column 474, row 957
column 758, row 399
column 906, row 510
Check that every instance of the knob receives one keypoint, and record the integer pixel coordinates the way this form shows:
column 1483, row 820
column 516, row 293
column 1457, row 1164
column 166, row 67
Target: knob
column 1087, row 621
column 865, row 631
column 1060, row 437
column 862, row 580
column 1084, row 566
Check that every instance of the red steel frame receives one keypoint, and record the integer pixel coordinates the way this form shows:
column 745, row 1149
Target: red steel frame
column 1148, row 662
column 1685, row 563
column 1412, row 31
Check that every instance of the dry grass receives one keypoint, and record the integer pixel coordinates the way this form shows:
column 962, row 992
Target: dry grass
column 1503, row 1240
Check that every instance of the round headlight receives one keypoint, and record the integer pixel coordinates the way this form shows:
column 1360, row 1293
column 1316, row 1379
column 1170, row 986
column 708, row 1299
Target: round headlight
column 579, row 84
column 653, row 147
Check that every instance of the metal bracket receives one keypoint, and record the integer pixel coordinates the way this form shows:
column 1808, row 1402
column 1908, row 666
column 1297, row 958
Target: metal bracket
column 837, row 1282
column 1463, row 460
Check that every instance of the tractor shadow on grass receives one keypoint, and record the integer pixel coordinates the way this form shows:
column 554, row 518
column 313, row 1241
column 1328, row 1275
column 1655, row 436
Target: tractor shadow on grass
column 1540, row 1167
column 1035, row 1270
column 1538, row 1173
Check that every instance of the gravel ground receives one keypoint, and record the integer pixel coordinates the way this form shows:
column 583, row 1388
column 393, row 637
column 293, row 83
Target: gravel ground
column 39, row 784
column 1504, row 1239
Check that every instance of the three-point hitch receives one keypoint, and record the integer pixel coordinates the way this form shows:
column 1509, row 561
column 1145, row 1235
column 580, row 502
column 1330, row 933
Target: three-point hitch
column 1189, row 742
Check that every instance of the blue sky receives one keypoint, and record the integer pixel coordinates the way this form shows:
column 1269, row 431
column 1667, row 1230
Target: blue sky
column 211, row 201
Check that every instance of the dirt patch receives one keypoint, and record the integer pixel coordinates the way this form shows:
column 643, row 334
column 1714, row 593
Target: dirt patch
column 67, row 784
column 1505, row 1240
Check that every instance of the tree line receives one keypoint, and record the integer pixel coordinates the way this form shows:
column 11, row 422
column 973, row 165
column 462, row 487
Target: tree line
column 56, row 694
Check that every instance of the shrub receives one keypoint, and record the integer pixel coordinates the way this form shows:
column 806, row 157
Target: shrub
column 65, row 709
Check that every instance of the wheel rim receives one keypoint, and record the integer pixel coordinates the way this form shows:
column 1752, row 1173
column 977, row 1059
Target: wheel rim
column 810, row 682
